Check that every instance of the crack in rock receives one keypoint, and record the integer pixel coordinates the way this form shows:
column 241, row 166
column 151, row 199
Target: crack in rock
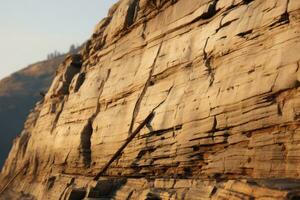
column 211, row 11
column 145, row 88
column 80, row 80
column 132, row 13
column 247, row 1
column 207, row 63
column 148, row 125
column 225, row 24
column 63, row 194
column 87, row 132
column 284, row 18
column 245, row 33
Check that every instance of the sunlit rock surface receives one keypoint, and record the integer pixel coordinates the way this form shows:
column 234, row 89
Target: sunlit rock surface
column 222, row 77
column 19, row 93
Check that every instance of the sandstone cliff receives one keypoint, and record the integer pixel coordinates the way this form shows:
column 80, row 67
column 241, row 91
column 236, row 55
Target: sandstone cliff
column 18, row 94
column 222, row 80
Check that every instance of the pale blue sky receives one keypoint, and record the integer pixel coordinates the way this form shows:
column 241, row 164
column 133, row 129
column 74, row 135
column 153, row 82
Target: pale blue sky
column 30, row 29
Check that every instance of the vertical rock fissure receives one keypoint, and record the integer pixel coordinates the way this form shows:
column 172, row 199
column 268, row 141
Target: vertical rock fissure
column 132, row 13
column 144, row 29
column 87, row 132
column 85, row 140
column 207, row 63
column 287, row 10
column 145, row 88
column 79, row 82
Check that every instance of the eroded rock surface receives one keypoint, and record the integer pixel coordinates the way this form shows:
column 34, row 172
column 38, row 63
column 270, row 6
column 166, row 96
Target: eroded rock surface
column 222, row 77
column 19, row 93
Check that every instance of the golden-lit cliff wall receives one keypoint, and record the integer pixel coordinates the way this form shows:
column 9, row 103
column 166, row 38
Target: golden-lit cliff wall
column 222, row 77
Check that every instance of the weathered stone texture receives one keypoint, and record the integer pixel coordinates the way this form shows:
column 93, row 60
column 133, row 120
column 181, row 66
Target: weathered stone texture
column 19, row 93
column 222, row 77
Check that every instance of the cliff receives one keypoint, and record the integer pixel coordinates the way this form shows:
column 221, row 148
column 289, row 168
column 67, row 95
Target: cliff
column 220, row 82
column 18, row 94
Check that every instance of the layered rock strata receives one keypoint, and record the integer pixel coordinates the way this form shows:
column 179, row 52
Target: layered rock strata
column 222, row 78
column 19, row 93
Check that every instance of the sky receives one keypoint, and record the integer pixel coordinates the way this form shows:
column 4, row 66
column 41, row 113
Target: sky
column 31, row 29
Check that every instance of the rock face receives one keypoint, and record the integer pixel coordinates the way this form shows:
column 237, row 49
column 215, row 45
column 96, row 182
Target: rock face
column 222, row 79
column 18, row 95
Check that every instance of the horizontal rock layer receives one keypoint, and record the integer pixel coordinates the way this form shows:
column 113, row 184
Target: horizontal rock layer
column 222, row 78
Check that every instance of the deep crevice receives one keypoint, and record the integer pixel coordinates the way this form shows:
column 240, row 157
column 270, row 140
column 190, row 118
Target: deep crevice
column 80, row 81
column 50, row 182
column 279, row 109
column 247, row 1
column 207, row 63
column 85, row 143
column 87, row 132
column 215, row 124
column 211, row 11
column 132, row 13
column 284, row 19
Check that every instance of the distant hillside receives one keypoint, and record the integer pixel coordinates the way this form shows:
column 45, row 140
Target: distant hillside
column 18, row 95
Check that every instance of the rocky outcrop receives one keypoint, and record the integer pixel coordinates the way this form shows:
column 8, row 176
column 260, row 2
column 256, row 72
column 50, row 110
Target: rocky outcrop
column 222, row 80
column 18, row 94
